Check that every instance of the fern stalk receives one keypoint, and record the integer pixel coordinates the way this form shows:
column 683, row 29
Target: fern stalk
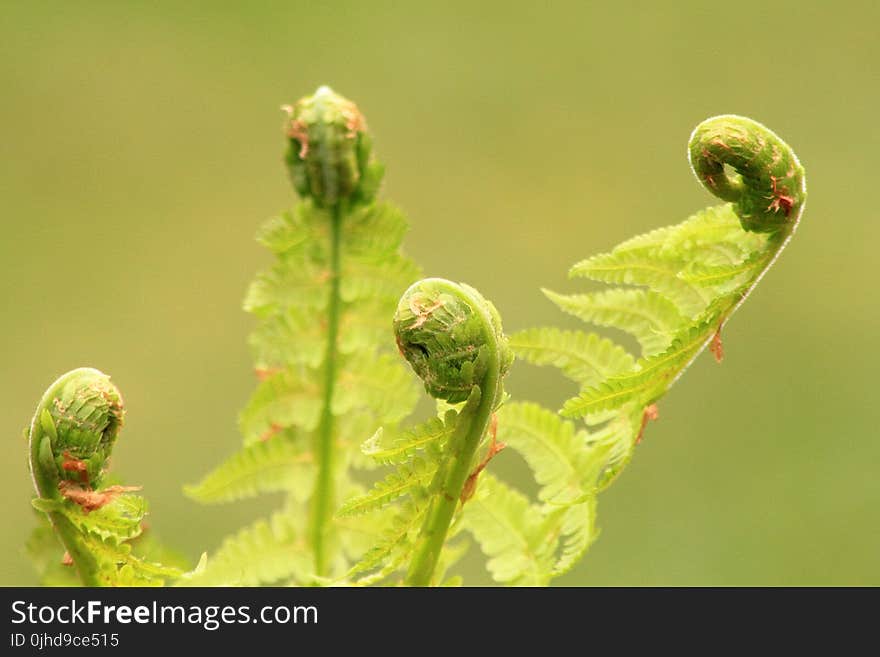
column 451, row 480
column 322, row 495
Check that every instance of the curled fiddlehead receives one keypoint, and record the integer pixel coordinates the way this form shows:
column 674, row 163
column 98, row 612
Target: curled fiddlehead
column 70, row 440
column 74, row 430
column 452, row 337
column 329, row 150
column 768, row 189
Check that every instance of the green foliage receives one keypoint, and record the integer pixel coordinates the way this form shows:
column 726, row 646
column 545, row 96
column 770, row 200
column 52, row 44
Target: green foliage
column 674, row 289
column 512, row 533
column 581, row 356
column 327, row 377
column 682, row 284
column 280, row 464
column 270, row 551
column 322, row 352
column 452, row 338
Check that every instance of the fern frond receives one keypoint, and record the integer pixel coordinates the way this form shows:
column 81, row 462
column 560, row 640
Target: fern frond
column 393, row 548
column 267, row 552
column 407, row 479
column 692, row 277
column 556, row 452
column 322, row 339
column 398, row 447
column 291, row 231
column 657, row 273
column 649, row 317
column 118, row 520
column 284, row 399
column 731, row 274
column 511, row 532
column 651, row 377
column 300, row 281
column 276, row 464
column 374, row 230
column 585, row 358
column 382, row 277
column 577, row 532
column 70, row 440
column 364, row 382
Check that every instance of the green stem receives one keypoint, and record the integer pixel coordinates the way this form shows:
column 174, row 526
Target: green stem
column 47, row 489
column 322, row 495
column 469, row 433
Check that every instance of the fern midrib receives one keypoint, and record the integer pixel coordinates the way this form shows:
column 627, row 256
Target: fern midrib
column 727, row 273
column 396, row 451
column 576, row 406
column 322, row 496
column 387, row 495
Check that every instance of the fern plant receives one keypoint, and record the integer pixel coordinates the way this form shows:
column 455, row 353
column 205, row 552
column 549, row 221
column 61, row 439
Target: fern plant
column 98, row 525
column 675, row 288
column 323, row 355
column 328, row 377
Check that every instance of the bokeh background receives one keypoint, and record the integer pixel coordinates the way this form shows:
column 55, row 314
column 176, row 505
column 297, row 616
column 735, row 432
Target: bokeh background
column 141, row 149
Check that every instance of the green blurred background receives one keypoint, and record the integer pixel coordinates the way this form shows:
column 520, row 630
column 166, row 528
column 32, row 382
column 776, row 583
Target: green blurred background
column 141, row 149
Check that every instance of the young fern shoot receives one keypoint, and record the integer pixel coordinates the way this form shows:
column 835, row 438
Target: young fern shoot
column 692, row 276
column 70, row 439
column 677, row 287
column 328, row 377
column 682, row 284
column 323, row 356
column 452, row 338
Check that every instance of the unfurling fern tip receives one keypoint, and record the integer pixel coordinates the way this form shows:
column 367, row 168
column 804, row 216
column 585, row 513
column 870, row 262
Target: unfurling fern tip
column 329, row 150
column 768, row 188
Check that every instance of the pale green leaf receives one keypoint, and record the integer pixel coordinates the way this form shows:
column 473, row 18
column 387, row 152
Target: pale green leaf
column 279, row 463
column 586, row 358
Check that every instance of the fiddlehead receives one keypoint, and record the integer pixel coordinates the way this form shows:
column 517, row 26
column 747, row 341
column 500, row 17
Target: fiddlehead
column 329, row 151
column 452, row 338
column 447, row 333
column 768, row 189
column 73, row 432
column 70, row 440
